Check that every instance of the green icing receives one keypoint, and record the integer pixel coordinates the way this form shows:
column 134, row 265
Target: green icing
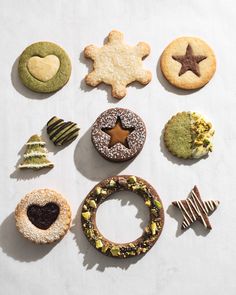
column 177, row 136
column 42, row 49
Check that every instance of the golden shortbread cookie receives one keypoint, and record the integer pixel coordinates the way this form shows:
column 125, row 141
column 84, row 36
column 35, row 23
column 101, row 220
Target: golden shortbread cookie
column 188, row 63
column 117, row 64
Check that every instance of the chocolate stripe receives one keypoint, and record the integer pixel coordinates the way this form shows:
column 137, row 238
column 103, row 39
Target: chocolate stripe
column 58, row 130
column 65, row 132
column 53, row 125
column 61, row 132
column 70, row 136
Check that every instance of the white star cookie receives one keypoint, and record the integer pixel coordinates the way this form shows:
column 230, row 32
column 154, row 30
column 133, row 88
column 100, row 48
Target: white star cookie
column 117, row 64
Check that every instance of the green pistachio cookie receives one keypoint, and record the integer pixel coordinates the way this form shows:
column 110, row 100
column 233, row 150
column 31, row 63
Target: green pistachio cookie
column 44, row 67
column 188, row 135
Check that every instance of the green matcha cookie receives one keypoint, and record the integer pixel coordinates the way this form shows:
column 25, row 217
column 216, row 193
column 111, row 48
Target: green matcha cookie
column 187, row 135
column 44, row 67
column 35, row 156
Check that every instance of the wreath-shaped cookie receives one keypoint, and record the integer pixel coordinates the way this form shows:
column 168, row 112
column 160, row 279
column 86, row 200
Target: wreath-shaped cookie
column 104, row 190
column 44, row 67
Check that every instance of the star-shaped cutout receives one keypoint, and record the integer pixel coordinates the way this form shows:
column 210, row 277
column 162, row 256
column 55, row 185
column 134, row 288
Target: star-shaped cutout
column 117, row 64
column 193, row 209
column 118, row 134
column 189, row 61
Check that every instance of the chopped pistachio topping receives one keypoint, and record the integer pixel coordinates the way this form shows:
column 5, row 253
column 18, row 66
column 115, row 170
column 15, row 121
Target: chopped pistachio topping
column 202, row 135
column 98, row 190
column 131, row 245
column 154, row 212
column 92, row 204
column 148, row 203
column 136, row 187
column 132, row 179
column 90, row 233
column 86, row 215
column 112, row 183
column 115, row 251
column 99, row 244
column 103, row 192
column 153, row 228
column 157, row 204
column 105, row 248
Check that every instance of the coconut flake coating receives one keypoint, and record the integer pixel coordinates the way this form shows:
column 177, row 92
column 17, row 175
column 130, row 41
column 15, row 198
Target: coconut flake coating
column 135, row 139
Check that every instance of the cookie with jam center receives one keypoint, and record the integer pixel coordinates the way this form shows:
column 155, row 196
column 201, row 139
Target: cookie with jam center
column 101, row 192
column 188, row 63
column 43, row 216
column 44, row 67
column 188, row 135
column 118, row 134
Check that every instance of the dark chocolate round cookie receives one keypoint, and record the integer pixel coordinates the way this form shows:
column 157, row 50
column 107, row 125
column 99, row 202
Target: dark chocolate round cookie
column 44, row 67
column 118, row 134
column 104, row 190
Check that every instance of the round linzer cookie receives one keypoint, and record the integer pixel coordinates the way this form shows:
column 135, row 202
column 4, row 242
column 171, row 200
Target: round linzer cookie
column 43, row 216
column 44, row 67
column 188, row 63
column 104, row 190
column 188, row 135
column 118, row 134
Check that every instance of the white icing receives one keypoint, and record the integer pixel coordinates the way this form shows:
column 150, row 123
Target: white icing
column 34, row 154
column 35, row 165
column 35, row 142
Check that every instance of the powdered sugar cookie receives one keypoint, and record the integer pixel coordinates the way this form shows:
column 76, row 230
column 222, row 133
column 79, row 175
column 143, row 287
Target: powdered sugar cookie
column 117, row 64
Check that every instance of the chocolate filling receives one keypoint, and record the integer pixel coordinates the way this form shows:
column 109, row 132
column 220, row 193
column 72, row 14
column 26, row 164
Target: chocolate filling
column 43, row 216
column 189, row 61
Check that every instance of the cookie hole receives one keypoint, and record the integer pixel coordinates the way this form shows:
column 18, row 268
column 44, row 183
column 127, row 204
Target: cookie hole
column 123, row 217
column 118, row 134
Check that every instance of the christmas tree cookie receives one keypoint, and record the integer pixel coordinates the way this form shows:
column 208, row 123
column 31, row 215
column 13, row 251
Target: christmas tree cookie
column 35, row 156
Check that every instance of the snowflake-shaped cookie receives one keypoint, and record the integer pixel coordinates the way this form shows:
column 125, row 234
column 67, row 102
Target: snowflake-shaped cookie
column 117, row 64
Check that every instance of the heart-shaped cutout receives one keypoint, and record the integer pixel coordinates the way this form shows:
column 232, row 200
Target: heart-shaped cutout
column 43, row 216
column 44, row 68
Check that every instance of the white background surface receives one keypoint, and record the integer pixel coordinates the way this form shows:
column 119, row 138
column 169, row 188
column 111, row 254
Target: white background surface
column 195, row 262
